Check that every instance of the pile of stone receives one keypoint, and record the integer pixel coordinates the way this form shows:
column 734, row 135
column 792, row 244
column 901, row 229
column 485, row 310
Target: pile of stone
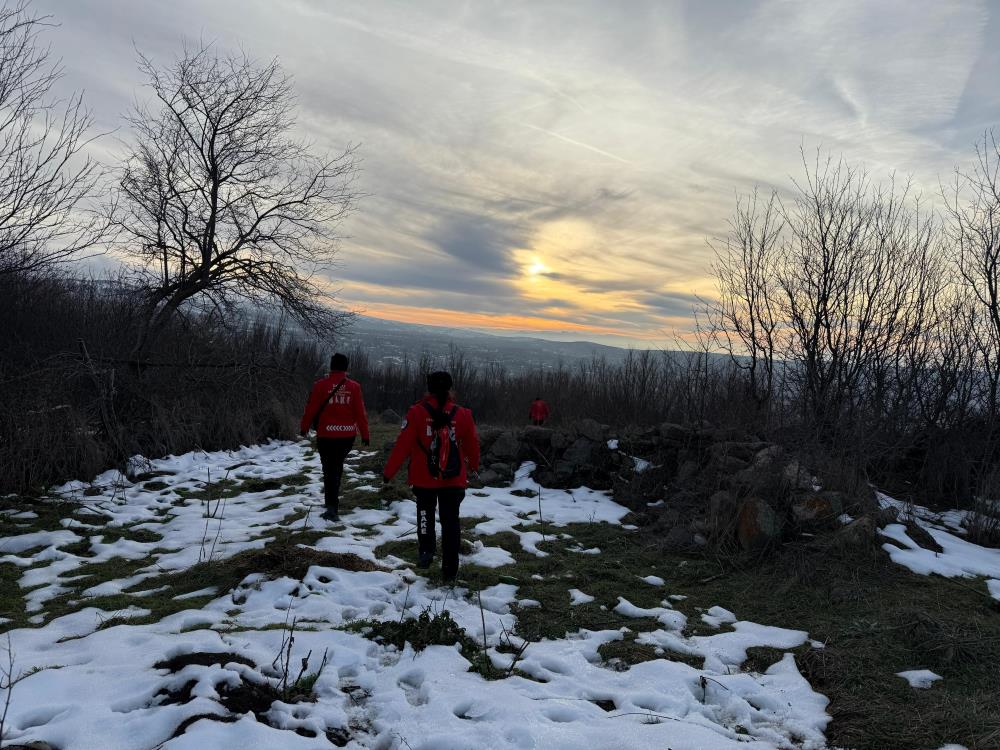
column 563, row 458
column 690, row 485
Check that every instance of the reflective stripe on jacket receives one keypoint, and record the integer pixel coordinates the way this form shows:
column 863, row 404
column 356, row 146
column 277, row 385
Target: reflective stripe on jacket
column 344, row 415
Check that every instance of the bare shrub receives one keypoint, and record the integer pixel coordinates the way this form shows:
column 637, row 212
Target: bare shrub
column 45, row 180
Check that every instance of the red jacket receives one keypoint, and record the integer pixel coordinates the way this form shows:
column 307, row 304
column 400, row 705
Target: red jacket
column 344, row 415
column 416, row 432
column 539, row 410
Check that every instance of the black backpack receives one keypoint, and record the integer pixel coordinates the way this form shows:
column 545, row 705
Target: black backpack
column 444, row 460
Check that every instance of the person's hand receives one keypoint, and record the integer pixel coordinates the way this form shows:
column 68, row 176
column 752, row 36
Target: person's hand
column 366, row 442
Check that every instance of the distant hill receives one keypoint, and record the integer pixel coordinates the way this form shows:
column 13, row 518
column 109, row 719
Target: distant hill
column 394, row 341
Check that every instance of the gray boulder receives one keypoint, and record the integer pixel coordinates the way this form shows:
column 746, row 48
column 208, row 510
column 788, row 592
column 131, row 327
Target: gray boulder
column 489, row 477
column 796, row 476
column 506, row 446
column 580, row 453
column 390, row 417
column 591, row 429
column 674, row 432
column 766, row 457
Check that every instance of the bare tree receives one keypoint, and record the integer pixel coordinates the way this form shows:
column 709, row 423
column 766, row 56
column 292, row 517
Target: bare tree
column 840, row 285
column 747, row 315
column 859, row 275
column 44, row 177
column 220, row 203
column 974, row 213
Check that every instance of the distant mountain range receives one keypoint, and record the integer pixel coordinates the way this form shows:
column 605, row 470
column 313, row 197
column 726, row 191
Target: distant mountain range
column 394, row 341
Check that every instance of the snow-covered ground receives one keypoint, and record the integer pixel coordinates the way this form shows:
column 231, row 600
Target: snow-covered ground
column 958, row 558
column 93, row 684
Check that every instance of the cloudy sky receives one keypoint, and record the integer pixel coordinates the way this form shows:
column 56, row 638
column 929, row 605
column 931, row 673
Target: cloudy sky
column 559, row 167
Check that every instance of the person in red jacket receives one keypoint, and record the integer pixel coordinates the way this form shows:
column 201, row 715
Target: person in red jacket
column 538, row 412
column 336, row 410
column 439, row 438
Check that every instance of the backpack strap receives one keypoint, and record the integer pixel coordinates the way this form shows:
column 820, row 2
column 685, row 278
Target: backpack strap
column 329, row 398
column 439, row 415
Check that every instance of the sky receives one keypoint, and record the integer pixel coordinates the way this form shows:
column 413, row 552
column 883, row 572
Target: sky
column 560, row 168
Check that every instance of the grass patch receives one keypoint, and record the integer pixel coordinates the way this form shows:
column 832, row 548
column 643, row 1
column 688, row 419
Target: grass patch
column 876, row 619
column 627, row 652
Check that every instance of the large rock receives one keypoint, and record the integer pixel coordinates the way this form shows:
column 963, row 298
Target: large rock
column 722, row 513
column 676, row 433
column 489, row 477
column 855, row 536
column 818, row 510
column 796, row 477
column 581, row 453
column 390, row 417
column 591, row 429
column 767, row 457
column 730, row 448
column 758, row 525
column 506, row 446
column 559, row 440
column 727, row 465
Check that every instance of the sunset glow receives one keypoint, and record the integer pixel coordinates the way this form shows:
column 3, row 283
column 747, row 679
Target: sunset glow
column 565, row 168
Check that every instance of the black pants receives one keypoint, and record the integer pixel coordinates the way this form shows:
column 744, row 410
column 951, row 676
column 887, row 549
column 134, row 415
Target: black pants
column 450, row 498
column 332, row 452
column 537, row 422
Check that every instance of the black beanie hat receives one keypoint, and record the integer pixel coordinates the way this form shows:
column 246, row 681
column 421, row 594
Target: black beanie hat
column 439, row 382
column 339, row 362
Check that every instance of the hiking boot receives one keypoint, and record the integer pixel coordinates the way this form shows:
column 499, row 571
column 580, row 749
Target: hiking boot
column 330, row 515
column 425, row 560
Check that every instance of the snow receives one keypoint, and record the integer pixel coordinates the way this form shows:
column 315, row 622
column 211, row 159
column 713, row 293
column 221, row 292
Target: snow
column 93, row 682
column 717, row 617
column 958, row 558
column 993, row 586
column 919, row 678
column 488, row 557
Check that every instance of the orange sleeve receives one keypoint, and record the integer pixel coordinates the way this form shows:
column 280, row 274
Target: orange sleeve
column 404, row 445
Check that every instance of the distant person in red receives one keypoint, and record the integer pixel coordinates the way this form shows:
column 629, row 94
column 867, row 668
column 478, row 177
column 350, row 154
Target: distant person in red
column 439, row 439
column 538, row 412
column 336, row 410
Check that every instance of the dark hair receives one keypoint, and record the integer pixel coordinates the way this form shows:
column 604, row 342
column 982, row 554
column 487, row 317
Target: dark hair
column 339, row 362
column 439, row 384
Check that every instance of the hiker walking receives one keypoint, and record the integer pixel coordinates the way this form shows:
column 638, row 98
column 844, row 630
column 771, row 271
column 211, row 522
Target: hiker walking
column 336, row 411
column 439, row 439
column 538, row 412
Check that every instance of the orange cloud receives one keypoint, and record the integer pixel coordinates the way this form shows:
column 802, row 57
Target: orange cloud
column 455, row 319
